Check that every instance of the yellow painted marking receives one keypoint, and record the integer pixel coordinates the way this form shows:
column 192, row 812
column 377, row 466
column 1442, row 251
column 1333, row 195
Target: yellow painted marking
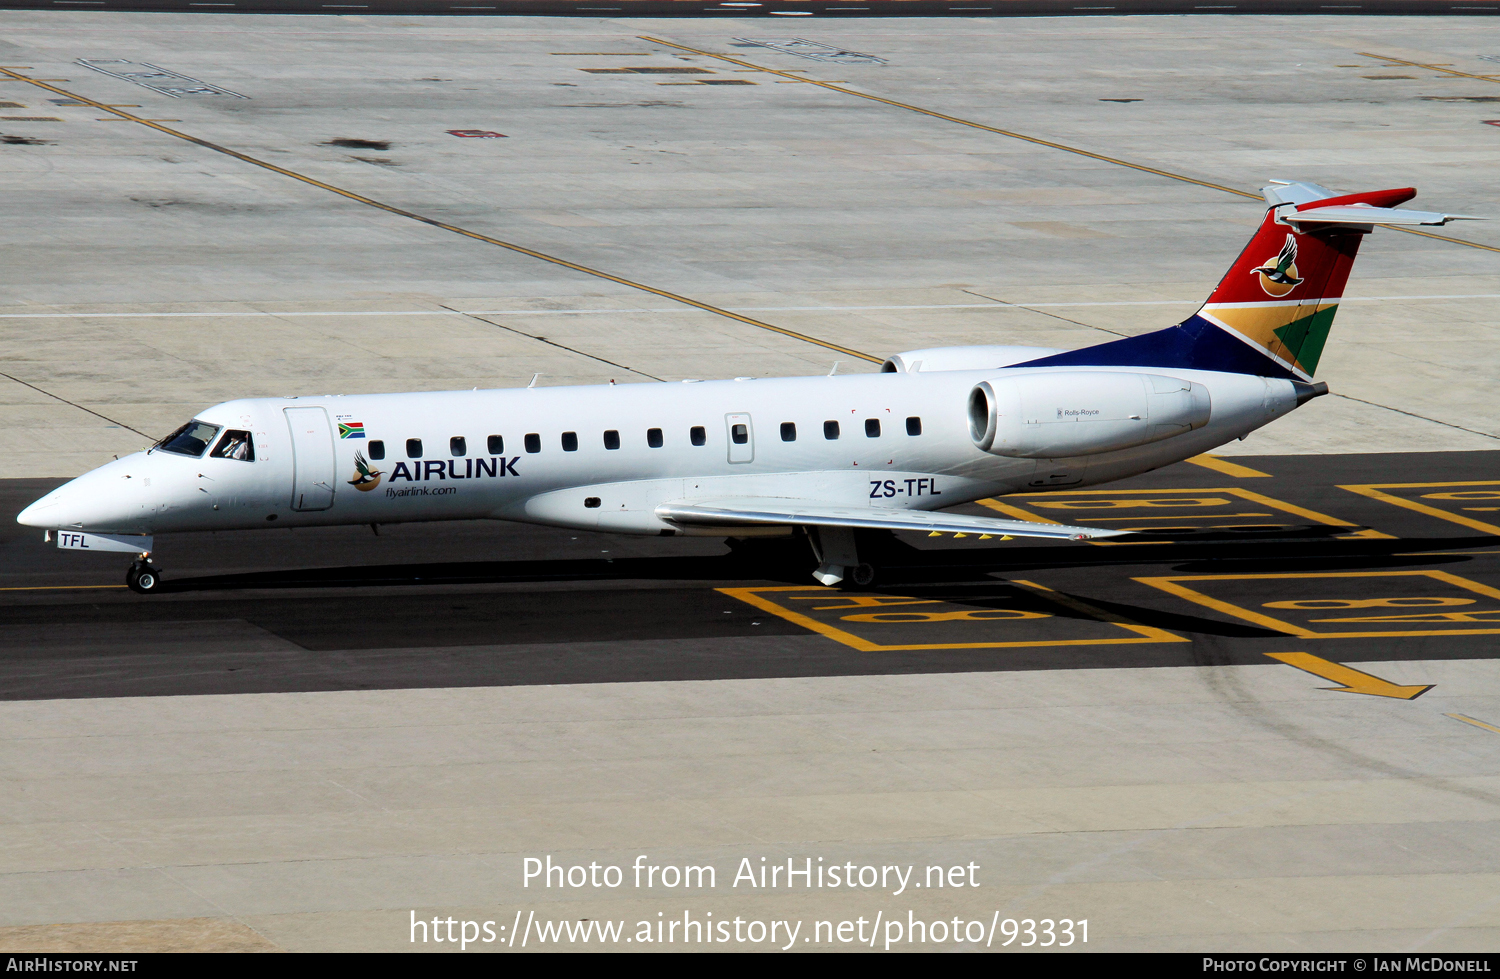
column 1351, row 680
column 1197, row 493
column 1172, row 586
column 1417, row 64
column 1217, row 516
column 1226, row 467
column 1079, row 605
column 756, row 597
column 954, row 119
column 1031, row 139
column 1373, row 491
column 455, row 229
column 1474, row 721
column 1440, row 553
column 1015, row 511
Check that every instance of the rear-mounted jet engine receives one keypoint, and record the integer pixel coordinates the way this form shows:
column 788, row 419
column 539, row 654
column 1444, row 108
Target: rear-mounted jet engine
column 1073, row 413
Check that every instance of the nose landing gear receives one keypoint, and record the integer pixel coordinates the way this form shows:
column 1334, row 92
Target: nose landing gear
column 143, row 578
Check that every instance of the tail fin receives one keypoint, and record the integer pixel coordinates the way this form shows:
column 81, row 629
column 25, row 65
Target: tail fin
column 1271, row 314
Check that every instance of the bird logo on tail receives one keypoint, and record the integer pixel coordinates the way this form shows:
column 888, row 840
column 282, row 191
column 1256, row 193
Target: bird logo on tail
column 1278, row 276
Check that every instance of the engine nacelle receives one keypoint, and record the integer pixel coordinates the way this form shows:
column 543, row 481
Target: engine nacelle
column 962, row 358
column 1078, row 413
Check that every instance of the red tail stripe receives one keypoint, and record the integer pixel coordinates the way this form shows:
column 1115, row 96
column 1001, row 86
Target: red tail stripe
column 1375, row 198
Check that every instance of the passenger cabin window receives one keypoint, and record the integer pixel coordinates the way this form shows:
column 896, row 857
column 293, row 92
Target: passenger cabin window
column 872, row 428
column 914, row 425
column 533, row 442
column 830, row 430
column 788, row 431
column 653, row 437
column 496, row 445
column 698, row 435
column 611, row 439
column 377, row 449
column 413, row 448
column 739, row 434
column 235, row 445
column 191, row 439
column 570, row 441
column 457, row 446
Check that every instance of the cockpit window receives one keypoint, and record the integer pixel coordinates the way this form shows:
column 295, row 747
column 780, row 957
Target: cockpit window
column 189, row 440
column 235, row 445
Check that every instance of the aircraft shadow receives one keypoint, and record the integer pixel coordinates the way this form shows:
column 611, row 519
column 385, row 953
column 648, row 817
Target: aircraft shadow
column 789, row 561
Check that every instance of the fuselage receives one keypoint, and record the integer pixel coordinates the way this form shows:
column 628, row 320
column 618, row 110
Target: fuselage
column 606, row 456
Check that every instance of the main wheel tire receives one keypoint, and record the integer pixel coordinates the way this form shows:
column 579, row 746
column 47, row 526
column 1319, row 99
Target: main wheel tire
column 143, row 579
column 863, row 575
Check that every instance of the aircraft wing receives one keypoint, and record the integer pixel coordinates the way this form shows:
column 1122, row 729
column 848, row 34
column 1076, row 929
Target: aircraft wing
column 769, row 511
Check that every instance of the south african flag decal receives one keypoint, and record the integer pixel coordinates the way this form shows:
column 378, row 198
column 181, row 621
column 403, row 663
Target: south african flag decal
column 351, row 430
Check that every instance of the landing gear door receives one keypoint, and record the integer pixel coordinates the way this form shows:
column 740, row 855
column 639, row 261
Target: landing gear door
column 741, row 438
column 312, row 458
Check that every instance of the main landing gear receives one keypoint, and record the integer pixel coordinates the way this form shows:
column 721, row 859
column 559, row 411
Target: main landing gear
column 144, row 578
column 838, row 558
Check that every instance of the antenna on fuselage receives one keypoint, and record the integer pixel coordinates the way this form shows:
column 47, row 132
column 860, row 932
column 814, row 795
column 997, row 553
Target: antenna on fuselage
column 533, row 380
column 835, row 370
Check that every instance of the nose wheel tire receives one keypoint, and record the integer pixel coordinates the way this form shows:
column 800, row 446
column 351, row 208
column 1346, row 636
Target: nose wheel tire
column 143, row 578
column 863, row 575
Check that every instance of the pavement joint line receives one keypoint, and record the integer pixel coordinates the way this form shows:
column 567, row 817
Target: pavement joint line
column 997, row 304
column 831, row 86
column 1056, row 316
column 1413, row 414
column 58, row 397
column 553, row 343
column 432, row 222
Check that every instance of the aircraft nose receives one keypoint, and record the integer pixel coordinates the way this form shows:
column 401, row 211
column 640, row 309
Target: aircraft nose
column 97, row 500
column 42, row 513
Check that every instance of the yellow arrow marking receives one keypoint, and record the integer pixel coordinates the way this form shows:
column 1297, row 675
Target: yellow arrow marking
column 1353, row 680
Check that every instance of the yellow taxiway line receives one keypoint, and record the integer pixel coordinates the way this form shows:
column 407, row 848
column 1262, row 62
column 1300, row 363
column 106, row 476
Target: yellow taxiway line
column 835, row 87
column 1474, row 721
column 455, row 229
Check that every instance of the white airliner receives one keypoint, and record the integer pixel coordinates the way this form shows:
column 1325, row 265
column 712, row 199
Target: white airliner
column 754, row 456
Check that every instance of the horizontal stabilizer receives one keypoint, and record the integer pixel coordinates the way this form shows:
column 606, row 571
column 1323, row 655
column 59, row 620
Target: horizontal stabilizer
column 759, row 512
column 1365, row 214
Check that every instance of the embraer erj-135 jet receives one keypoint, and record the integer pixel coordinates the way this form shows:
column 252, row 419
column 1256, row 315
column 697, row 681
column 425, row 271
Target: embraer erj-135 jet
column 758, row 456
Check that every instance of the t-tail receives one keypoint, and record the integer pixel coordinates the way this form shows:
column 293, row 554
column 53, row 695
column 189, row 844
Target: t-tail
column 1271, row 314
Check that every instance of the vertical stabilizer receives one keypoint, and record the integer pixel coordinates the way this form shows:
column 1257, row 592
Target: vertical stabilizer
column 1281, row 295
column 1271, row 314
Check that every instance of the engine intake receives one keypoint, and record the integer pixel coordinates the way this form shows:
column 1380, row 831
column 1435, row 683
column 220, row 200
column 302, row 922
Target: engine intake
column 1076, row 413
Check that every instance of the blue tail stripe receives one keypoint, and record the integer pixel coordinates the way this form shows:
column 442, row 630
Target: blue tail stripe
column 1194, row 344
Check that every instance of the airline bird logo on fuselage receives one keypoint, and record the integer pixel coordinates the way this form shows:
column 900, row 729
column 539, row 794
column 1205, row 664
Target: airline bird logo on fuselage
column 1278, row 276
column 365, row 478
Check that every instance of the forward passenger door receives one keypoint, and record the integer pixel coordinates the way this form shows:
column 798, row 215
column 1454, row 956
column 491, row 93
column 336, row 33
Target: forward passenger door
column 312, row 458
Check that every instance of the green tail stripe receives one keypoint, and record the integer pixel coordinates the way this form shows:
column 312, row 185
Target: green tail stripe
column 1306, row 336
